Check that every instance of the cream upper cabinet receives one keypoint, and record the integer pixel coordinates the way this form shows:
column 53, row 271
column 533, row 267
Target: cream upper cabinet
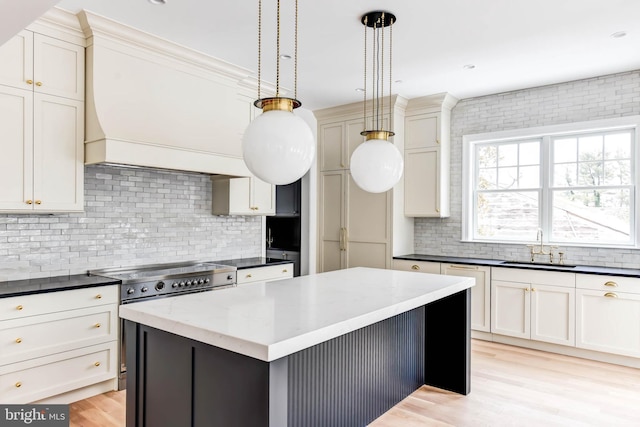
column 608, row 314
column 336, row 143
column 533, row 304
column 243, row 196
column 427, row 156
column 43, row 64
column 480, row 293
column 41, row 125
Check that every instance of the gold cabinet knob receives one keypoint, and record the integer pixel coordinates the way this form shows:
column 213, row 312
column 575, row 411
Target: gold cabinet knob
column 18, row 340
column 38, row 202
column 415, row 267
column 533, row 289
column 284, row 270
column 19, row 308
column 248, row 275
column 96, row 364
column 97, row 325
column 29, row 202
column 18, row 384
column 611, row 295
column 611, row 284
column 38, row 83
column 526, row 289
column 98, row 296
column 29, row 82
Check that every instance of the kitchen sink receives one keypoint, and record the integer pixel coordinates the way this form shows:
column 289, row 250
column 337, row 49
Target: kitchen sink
column 533, row 264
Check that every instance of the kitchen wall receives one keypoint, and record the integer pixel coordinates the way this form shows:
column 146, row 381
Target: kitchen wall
column 132, row 216
column 603, row 97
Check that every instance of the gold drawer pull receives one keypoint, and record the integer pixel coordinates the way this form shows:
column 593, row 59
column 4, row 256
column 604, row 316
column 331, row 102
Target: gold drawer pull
column 284, row 270
column 29, row 82
column 98, row 296
column 38, row 83
column 248, row 275
column 19, row 307
column 415, row 267
column 29, row 202
column 612, row 284
column 18, row 340
column 462, row 267
column 18, row 384
column 97, row 364
column 611, row 295
column 97, row 325
column 38, row 202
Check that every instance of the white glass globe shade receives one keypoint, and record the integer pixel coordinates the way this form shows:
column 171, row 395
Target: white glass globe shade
column 376, row 165
column 278, row 147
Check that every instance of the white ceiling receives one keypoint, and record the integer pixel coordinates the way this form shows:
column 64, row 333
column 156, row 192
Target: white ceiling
column 513, row 44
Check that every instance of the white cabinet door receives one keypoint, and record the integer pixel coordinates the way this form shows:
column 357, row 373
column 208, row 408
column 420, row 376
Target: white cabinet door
column 332, row 217
column 16, row 160
column 553, row 314
column 510, row 309
column 608, row 321
column 263, row 196
column 16, row 57
column 58, row 67
column 480, row 293
column 58, row 154
column 422, row 131
column 422, row 183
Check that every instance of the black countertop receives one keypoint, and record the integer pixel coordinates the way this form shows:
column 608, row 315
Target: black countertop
column 241, row 263
column 64, row 283
column 587, row 269
column 51, row 284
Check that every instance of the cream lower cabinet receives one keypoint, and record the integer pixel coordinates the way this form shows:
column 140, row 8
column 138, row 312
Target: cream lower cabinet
column 242, row 196
column 355, row 226
column 533, row 304
column 264, row 274
column 58, row 347
column 480, row 293
column 417, row 266
column 608, row 314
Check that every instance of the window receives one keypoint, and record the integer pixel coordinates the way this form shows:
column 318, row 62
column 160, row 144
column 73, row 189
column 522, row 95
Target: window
column 576, row 183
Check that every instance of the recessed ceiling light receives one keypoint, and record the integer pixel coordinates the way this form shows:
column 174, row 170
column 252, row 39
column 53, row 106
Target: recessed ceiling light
column 618, row 34
column 285, row 56
column 157, row 1
column 398, row 81
column 359, row 89
column 469, row 67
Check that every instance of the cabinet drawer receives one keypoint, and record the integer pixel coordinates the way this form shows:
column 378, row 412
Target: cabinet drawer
column 40, row 378
column 36, row 336
column 598, row 282
column 419, row 266
column 51, row 302
column 265, row 274
column 550, row 278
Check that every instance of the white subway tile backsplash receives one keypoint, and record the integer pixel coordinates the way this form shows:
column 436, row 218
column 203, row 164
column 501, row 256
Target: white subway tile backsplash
column 132, row 216
column 591, row 99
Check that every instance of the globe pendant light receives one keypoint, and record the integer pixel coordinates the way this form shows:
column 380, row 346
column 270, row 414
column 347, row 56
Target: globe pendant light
column 377, row 164
column 278, row 147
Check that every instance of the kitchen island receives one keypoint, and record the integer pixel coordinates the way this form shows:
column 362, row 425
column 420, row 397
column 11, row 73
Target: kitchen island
column 331, row 349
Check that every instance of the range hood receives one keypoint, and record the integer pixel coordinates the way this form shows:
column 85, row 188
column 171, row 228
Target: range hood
column 153, row 103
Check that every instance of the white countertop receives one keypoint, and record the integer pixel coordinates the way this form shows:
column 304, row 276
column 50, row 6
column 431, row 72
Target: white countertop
column 271, row 320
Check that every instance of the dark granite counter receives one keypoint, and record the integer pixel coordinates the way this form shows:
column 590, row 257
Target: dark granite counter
column 241, row 263
column 52, row 284
column 587, row 269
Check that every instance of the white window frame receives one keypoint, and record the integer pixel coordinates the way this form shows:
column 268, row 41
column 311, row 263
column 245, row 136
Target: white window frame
column 544, row 133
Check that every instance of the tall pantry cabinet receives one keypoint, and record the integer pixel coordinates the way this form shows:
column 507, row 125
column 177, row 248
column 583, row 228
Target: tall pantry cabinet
column 355, row 227
column 42, row 117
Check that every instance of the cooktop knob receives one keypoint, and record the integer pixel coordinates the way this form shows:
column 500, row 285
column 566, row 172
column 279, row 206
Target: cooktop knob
column 130, row 291
column 188, row 283
column 175, row 285
column 144, row 289
column 200, row 282
column 206, row 280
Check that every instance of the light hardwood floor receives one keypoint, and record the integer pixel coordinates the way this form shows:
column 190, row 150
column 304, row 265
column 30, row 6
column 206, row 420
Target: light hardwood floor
column 510, row 386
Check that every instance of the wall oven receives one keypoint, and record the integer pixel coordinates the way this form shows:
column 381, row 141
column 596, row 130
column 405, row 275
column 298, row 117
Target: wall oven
column 145, row 282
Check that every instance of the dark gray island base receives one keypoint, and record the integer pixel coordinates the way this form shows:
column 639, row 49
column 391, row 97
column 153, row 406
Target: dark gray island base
column 347, row 381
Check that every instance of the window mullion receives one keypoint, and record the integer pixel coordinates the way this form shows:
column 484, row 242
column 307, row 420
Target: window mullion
column 546, row 195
